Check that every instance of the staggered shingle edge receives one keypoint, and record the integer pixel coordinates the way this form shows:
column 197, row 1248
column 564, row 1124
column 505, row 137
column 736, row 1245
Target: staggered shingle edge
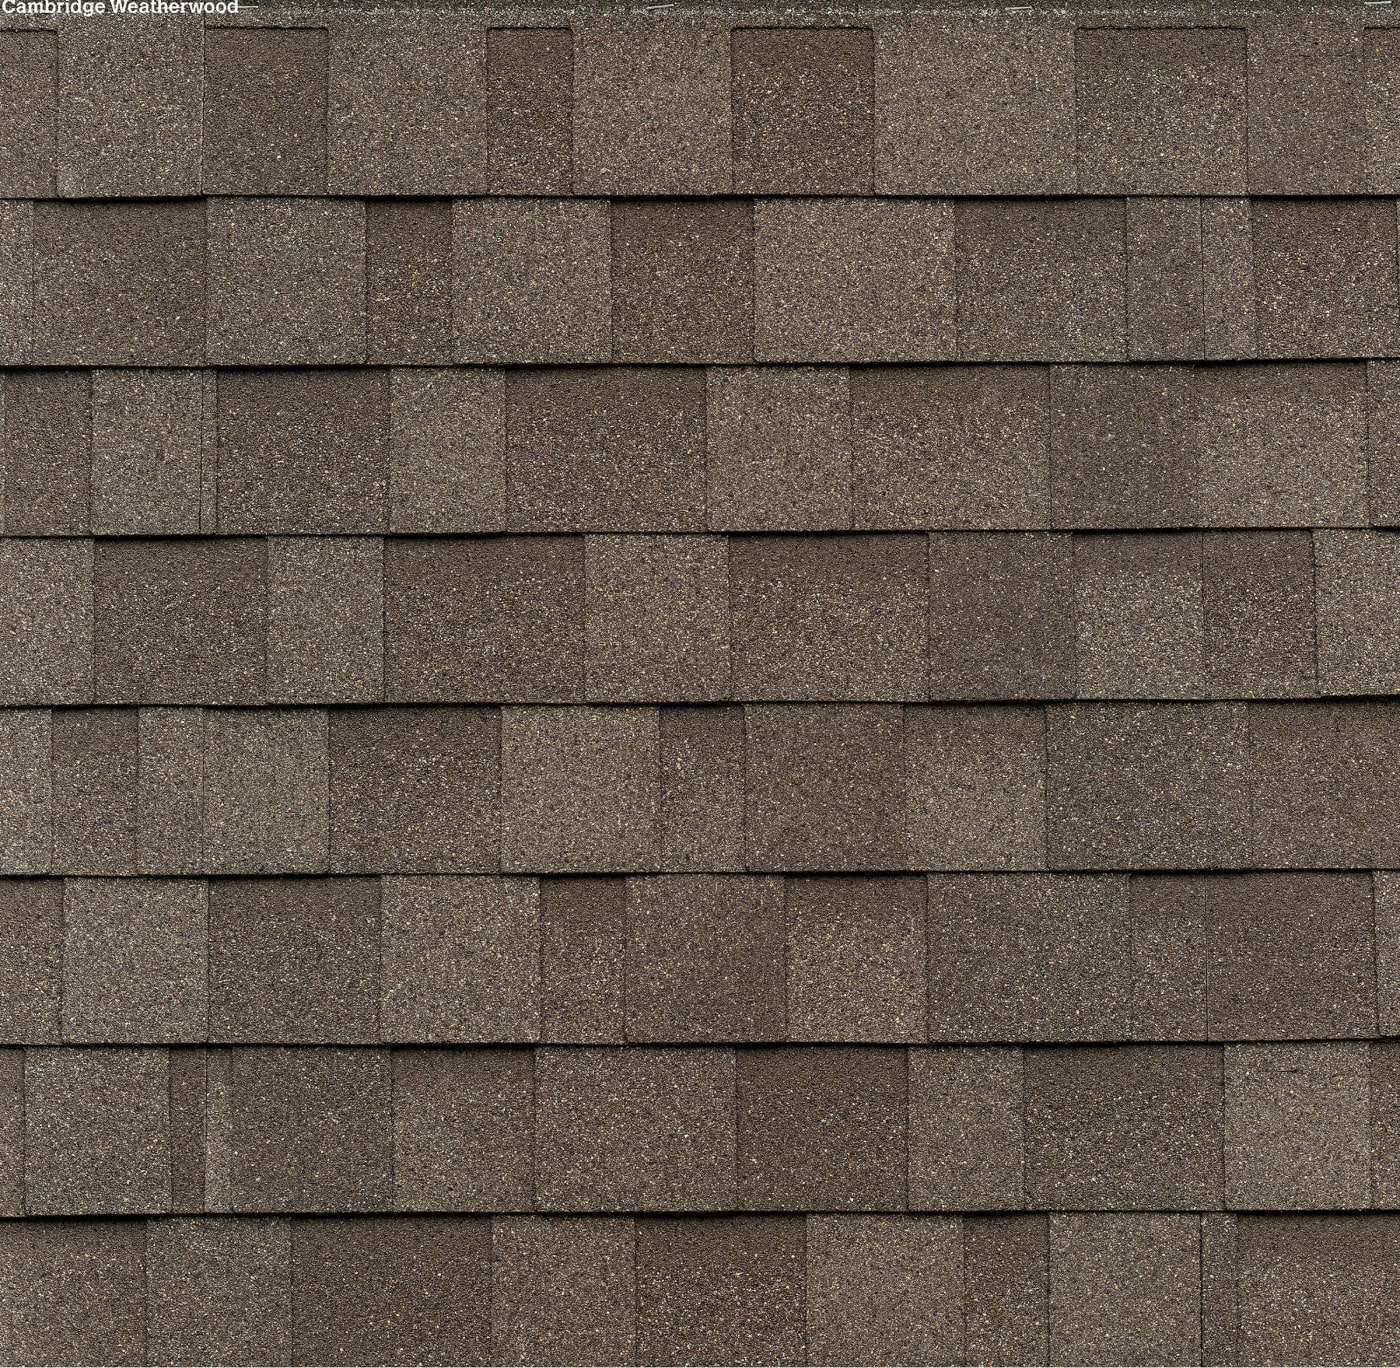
column 700, row 686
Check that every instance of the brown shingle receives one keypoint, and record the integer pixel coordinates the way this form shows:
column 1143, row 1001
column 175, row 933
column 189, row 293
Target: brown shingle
column 471, row 619
column 634, row 1129
column 46, row 621
column 976, row 781
column 855, row 960
column 1307, row 121
column 1021, row 957
column 28, row 112
column 1385, row 894
column 1358, row 583
column 463, row 1130
column 803, row 110
column 657, row 619
column 325, row 619
column 447, row 451
column 1148, row 786
column 822, row 1128
column 1001, row 623
column 26, row 791
column 1170, row 932
column 975, row 108
column 1258, row 614
column 836, row 617
column 406, row 108
column 11, row 1135
column 1007, row 1280
column 189, row 1132
column 97, row 1132
column 651, row 107
column 299, row 1130
column 1166, row 279
column 1325, row 789
column 565, row 1289
column 777, row 448
column 1291, row 956
column 303, row 451
column 825, row 787
column 1317, row 1289
column 1325, row 277
column 721, row 1290
column 119, row 284
column 129, row 108
column 286, row 282
column 1384, row 1106
column 1297, row 1126
column 408, row 281
column 583, row 952
column 1227, row 279
column 147, row 450
column 966, row 1141
column 294, row 961
column 94, row 753
column 1122, row 447
column 135, row 961
column 609, row 450
column 884, row 1289
column 853, row 279
column 74, row 1290
column 460, row 959
column 956, row 446
column 529, row 110
column 414, row 790
column 702, row 789
column 405, row 1289
column 1282, row 445
column 47, row 436
column 31, row 973
column 17, row 281
column 705, row 959
column 265, row 786
column 530, row 280
column 1041, row 280
column 1160, row 111
column 170, row 791
column 579, row 789
column 1125, row 1288
column 682, row 281
column 1125, row 1128
column 180, row 621
column 1382, row 102
column 1138, row 610
column 264, row 111
column 219, row 1290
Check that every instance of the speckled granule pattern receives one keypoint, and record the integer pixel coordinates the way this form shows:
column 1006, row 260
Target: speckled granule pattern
column 693, row 684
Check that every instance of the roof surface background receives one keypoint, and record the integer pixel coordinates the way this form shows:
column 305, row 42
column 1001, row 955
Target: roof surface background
column 700, row 685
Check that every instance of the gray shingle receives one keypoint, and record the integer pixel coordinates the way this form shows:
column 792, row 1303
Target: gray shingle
column 26, row 790
column 46, row 621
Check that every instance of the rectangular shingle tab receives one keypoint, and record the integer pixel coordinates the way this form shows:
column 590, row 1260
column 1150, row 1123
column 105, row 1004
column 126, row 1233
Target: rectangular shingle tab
column 803, row 109
column 529, row 110
column 28, row 112
column 408, row 281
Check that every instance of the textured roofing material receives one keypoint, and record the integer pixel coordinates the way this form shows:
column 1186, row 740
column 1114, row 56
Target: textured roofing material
column 704, row 686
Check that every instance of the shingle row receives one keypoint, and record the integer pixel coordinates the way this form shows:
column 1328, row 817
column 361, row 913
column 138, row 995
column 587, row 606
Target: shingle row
column 685, row 450
column 771, row 788
column 956, row 617
column 440, row 104
column 821, row 1289
column 986, row 958
column 264, row 1129
column 318, row 281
